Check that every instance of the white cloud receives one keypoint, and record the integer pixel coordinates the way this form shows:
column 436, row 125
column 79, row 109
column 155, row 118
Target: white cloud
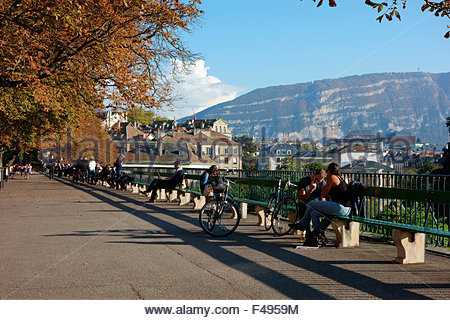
column 198, row 90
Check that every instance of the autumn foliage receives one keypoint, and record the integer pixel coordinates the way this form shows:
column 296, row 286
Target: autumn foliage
column 389, row 9
column 60, row 60
column 88, row 139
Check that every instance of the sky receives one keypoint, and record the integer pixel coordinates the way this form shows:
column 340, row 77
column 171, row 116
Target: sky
column 250, row 44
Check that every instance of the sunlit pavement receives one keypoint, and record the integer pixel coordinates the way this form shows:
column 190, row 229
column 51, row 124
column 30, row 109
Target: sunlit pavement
column 60, row 240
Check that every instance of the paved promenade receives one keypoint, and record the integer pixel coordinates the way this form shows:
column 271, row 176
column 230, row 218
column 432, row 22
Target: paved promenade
column 60, row 240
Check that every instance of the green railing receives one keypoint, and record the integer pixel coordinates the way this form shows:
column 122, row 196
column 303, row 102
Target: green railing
column 417, row 210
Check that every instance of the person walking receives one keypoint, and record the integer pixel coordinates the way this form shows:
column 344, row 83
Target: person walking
column 27, row 171
column 118, row 165
column 42, row 163
column 52, row 167
column 6, row 173
column 60, row 167
column 91, row 171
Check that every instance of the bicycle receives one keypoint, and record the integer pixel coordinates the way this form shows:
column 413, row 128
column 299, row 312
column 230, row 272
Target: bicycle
column 220, row 216
column 285, row 211
column 273, row 200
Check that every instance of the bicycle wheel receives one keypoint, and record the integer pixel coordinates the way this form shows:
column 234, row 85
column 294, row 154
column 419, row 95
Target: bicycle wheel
column 268, row 212
column 285, row 212
column 219, row 219
column 207, row 216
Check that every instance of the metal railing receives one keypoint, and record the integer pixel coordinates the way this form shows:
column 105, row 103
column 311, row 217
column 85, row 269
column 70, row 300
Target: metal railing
column 432, row 215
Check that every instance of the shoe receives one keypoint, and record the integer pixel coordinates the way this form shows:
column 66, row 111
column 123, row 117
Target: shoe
column 150, row 201
column 322, row 238
column 324, row 223
column 311, row 240
column 296, row 226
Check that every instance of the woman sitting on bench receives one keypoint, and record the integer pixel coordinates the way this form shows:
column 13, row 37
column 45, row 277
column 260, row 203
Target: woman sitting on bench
column 205, row 178
column 169, row 183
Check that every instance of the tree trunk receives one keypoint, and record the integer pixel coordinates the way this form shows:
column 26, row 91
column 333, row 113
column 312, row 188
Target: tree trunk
column 14, row 157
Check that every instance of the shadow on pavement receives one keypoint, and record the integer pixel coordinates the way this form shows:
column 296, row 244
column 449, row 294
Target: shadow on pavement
column 212, row 247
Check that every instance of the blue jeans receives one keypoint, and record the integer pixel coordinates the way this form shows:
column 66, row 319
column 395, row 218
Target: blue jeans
column 317, row 209
column 91, row 176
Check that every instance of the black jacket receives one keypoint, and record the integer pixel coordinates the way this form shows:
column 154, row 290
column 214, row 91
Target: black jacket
column 177, row 178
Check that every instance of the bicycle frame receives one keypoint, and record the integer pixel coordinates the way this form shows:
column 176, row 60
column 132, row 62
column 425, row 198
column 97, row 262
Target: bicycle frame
column 276, row 191
column 221, row 200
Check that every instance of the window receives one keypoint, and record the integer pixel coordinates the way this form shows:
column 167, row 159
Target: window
column 283, row 152
column 278, row 152
column 218, row 150
column 235, row 150
column 226, row 150
column 288, row 152
column 226, row 160
column 208, row 150
column 166, row 151
column 234, row 160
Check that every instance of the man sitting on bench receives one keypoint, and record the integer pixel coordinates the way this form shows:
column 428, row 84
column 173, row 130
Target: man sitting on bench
column 169, row 183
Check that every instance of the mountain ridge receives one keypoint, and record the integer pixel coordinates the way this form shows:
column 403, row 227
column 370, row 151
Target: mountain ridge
column 413, row 103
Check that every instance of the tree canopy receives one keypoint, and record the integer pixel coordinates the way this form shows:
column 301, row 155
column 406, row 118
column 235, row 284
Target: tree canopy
column 249, row 149
column 389, row 9
column 445, row 156
column 61, row 59
column 291, row 164
column 144, row 116
column 88, row 139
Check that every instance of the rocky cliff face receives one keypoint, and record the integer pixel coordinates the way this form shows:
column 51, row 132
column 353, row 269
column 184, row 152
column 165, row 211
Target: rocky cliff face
column 405, row 103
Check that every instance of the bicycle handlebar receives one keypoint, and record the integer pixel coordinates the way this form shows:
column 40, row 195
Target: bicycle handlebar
column 290, row 184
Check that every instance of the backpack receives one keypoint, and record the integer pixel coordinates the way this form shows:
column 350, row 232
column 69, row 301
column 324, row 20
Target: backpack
column 354, row 193
column 202, row 177
column 217, row 184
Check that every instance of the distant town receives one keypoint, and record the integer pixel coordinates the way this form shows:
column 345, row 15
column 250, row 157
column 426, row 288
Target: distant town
column 201, row 143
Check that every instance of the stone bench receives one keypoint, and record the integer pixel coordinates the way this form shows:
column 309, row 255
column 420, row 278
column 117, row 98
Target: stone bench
column 409, row 239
